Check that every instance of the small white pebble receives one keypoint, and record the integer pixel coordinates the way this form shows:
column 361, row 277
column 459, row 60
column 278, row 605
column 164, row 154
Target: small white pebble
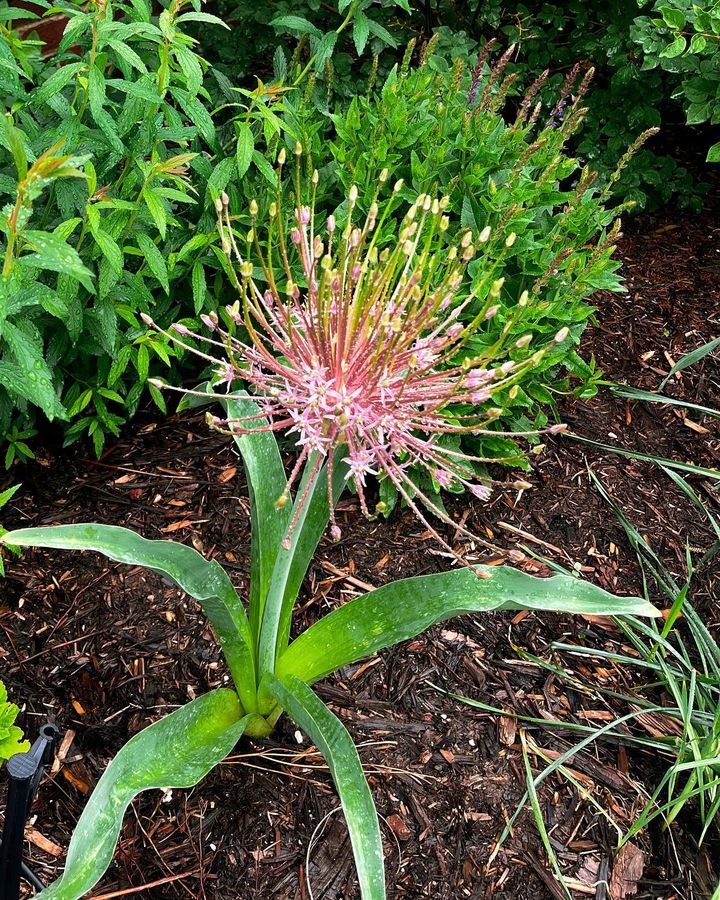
column 213, row 847
column 167, row 796
column 298, row 737
column 471, row 742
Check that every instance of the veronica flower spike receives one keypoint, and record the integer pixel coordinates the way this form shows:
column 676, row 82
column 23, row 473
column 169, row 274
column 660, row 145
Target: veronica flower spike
column 355, row 345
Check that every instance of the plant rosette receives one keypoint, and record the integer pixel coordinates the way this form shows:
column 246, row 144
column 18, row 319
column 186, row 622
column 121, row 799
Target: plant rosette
column 342, row 349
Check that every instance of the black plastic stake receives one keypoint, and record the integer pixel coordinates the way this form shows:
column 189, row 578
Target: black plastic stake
column 24, row 773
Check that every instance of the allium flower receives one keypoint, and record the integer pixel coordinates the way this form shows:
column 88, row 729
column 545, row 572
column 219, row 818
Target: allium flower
column 359, row 351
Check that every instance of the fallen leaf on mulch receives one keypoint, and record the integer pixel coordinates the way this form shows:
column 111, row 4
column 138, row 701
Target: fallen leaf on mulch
column 627, row 871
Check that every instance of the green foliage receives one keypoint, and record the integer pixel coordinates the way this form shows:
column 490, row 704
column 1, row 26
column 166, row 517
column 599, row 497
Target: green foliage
column 11, row 737
column 683, row 39
column 5, row 498
column 552, row 232
column 628, row 95
column 337, row 43
column 182, row 747
column 109, row 163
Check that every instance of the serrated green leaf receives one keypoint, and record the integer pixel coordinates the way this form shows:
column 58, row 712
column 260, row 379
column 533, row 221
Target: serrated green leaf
column 296, row 23
column 156, row 210
column 154, row 260
column 361, row 31
column 244, row 149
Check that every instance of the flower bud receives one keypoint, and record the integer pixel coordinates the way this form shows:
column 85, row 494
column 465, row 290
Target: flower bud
column 497, row 287
column 524, row 297
column 485, row 234
column 353, row 194
column 523, row 341
column 398, row 186
column 510, row 239
column 384, row 176
column 253, row 208
column 561, row 335
column 282, row 157
column 218, row 205
column 246, row 270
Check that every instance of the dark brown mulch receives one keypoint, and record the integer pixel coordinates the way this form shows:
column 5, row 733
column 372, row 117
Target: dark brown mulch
column 105, row 649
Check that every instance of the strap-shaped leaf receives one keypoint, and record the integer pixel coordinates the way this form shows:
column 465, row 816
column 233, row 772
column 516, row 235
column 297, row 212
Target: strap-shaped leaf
column 177, row 751
column 331, row 738
column 203, row 579
column 403, row 609
column 266, row 480
column 291, row 565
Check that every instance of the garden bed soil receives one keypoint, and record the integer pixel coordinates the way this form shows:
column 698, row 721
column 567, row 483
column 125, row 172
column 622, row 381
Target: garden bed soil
column 104, row 649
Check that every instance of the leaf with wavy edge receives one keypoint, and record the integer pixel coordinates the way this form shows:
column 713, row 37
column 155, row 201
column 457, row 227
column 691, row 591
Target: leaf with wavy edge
column 403, row 609
column 177, row 751
column 203, row 579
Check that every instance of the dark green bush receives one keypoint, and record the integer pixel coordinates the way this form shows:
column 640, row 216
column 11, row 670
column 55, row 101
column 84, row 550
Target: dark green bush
column 445, row 130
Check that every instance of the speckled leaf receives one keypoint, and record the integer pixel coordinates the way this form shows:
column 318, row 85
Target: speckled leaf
column 403, row 609
column 177, row 751
column 203, row 579
column 331, row 738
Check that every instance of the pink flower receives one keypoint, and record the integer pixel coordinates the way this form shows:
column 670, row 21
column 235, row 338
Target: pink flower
column 367, row 361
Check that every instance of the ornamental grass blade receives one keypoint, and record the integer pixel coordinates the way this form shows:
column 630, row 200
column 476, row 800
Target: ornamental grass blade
column 203, row 579
column 403, row 609
column 177, row 751
column 331, row 738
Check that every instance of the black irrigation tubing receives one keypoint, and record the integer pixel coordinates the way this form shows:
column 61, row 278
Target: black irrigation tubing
column 25, row 770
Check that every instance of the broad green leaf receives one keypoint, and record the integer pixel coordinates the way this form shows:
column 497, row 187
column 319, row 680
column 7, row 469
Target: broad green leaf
column 56, row 82
column 203, row 579
column 361, row 31
column 13, row 139
column 675, row 18
column 199, row 286
column 110, row 250
column 154, row 259
column 29, row 376
column 96, row 92
column 175, row 752
column 401, row 610
column 675, row 49
column 296, row 23
column 292, row 564
column 11, row 737
column 266, row 481
column 52, row 252
column 381, row 32
column 201, row 17
column 331, row 738
column 325, row 49
column 244, row 150
column 156, row 209
column 713, row 154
